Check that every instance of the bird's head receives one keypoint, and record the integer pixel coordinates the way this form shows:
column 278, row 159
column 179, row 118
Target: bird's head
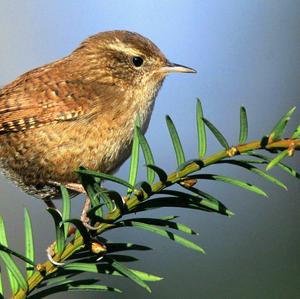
column 127, row 59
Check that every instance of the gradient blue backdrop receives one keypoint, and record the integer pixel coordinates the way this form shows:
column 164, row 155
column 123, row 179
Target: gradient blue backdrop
column 246, row 53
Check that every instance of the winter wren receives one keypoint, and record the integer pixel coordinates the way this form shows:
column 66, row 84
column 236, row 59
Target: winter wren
column 79, row 110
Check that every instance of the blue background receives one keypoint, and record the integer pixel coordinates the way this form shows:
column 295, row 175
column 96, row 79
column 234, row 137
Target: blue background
column 246, row 53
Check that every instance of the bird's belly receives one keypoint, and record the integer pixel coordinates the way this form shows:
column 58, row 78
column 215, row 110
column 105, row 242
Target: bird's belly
column 37, row 156
column 34, row 157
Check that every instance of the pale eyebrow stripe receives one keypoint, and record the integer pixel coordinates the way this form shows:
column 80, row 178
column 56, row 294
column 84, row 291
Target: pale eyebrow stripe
column 118, row 46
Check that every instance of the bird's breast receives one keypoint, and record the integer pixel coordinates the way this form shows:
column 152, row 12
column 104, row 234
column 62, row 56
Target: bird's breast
column 53, row 152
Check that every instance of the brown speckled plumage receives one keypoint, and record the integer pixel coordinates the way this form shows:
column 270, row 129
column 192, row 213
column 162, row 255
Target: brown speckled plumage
column 78, row 111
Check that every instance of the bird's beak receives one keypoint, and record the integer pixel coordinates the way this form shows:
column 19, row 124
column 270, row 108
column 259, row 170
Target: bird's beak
column 176, row 68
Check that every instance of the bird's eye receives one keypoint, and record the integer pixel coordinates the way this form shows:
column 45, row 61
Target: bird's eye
column 137, row 61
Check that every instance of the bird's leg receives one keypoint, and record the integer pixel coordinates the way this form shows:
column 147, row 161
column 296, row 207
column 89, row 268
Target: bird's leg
column 75, row 187
column 84, row 218
column 87, row 203
column 49, row 203
column 51, row 248
column 71, row 186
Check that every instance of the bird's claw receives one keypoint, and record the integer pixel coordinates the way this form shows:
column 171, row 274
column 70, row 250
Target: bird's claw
column 51, row 253
column 84, row 218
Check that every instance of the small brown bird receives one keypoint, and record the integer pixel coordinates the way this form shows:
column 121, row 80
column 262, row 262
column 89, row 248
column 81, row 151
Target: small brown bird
column 79, row 110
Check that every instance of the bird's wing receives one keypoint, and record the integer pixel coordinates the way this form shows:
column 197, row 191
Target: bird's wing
column 35, row 102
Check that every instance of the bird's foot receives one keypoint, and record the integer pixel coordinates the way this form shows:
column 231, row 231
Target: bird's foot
column 49, row 203
column 84, row 217
column 50, row 253
column 71, row 186
column 75, row 187
column 51, row 249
